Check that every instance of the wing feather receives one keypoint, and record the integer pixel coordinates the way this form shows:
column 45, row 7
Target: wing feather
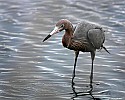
column 89, row 33
column 96, row 37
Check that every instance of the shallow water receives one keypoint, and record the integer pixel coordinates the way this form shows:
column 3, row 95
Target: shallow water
column 33, row 70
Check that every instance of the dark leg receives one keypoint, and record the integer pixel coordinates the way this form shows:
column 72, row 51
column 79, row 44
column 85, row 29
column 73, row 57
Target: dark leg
column 73, row 74
column 91, row 74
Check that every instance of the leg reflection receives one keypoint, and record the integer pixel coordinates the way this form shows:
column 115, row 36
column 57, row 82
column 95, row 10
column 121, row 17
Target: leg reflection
column 73, row 87
column 83, row 93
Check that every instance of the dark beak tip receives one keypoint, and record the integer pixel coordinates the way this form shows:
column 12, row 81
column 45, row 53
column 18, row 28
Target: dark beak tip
column 43, row 40
column 48, row 36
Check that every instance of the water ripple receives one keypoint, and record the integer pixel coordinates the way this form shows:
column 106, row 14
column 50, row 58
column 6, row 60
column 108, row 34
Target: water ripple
column 31, row 69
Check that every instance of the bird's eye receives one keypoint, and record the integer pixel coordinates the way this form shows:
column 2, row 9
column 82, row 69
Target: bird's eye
column 62, row 26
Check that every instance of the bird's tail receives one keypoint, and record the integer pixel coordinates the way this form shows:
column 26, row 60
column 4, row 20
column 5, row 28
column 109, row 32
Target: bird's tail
column 105, row 49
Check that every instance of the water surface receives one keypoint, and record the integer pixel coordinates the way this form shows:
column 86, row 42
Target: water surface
column 33, row 70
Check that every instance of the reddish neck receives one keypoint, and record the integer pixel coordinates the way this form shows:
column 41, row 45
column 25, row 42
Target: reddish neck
column 66, row 40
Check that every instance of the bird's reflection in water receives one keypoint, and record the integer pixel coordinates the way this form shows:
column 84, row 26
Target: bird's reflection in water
column 82, row 93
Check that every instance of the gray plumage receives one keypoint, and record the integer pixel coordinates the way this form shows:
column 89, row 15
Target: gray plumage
column 85, row 37
column 90, row 33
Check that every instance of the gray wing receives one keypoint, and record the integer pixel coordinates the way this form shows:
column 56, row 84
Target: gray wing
column 82, row 29
column 96, row 37
column 88, row 32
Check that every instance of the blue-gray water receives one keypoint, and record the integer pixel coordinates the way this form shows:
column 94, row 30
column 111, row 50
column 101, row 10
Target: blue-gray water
column 33, row 70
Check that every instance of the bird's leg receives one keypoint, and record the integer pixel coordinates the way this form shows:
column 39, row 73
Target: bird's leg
column 73, row 74
column 91, row 74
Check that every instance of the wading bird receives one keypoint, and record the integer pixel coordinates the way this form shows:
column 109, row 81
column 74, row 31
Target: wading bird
column 85, row 37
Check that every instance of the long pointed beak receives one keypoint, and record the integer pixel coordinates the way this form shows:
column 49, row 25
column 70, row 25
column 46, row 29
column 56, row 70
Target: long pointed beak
column 56, row 30
column 48, row 36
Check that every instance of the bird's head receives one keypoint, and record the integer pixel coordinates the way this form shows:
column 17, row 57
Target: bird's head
column 60, row 26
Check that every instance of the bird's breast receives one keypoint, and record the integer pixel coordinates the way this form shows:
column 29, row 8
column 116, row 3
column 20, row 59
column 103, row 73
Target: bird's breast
column 64, row 42
column 78, row 45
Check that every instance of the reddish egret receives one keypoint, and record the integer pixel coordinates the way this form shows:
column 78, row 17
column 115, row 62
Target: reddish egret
column 85, row 37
